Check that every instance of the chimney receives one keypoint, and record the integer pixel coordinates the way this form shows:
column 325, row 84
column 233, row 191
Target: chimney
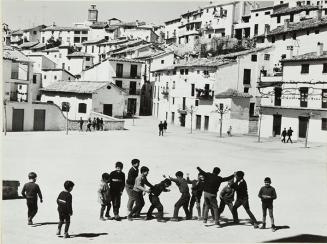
column 319, row 13
column 320, row 49
column 286, row 24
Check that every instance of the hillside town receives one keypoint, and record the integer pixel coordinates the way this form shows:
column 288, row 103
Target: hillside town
column 224, row 65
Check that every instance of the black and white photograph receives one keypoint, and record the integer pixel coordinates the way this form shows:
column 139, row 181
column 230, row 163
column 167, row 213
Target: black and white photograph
column 164, row 121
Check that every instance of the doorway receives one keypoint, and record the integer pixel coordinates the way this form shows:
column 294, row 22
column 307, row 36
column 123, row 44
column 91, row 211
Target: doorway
column 18, row 120
column 39, row 120
column 198, row 122
column 107, row 109
column 303, row 124
column 206, row 122
column 277, row 122
column 131, row 106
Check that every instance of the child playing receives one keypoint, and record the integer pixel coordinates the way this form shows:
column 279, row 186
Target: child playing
column 65, row 209
column 138, row 190
column 132, row 174
column 155, row 191
column 117, row 184
column 104, row 196
column 185, row 197
column 226, row 198
column 197, row 190
column 30, row 191
column 267, row 194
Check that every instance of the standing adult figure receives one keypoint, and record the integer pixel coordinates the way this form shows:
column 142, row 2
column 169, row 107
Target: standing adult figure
column 289, row 134
column 211, row 186
column 161, row 128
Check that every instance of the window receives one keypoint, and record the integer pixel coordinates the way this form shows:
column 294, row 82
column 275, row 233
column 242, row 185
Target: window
column 294, row 36
column 196, row 103
column 323, row 123
column 266, row 56
column 246, row 90
column 55, row 55
column 308, row 32
column 55, row 77
column 162, row 61
column 209, row 36
column 278, row 19
column 68, row 68
column 174, row 72
column 303, row 97
column 305, row 69
column 65, row 106
column 133, row 72
column 198, row 71
column 192, row 89
column 254, row 58
column 174, row 84
column 77, row 39
column 34, row 32
column 87, row 58
column 43, row 40
column 257, row 14
column 278, row 96
column 173, row 100
column 307, row 12
column 182, row 71
column 44, row 77
column 273, row 39
column 284, row 37
column 77, row 32
column 324, row 98
column 34, row 79
column 92, row 49
column 186, row 71
column 119, row 70
column 50, row 102
column 84, row 32
column 283, row 56
column 84, row 39
column 247, row 77
column 256, row 28
column 324, row 68
column 119, row 83
column 317, row 31
column 267, row 13
column 291, row 18
column 68, row 39
column 82, row 108
column 206, row 72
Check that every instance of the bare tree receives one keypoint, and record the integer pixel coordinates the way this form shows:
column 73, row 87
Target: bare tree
column 191, row 111
column 221, row 109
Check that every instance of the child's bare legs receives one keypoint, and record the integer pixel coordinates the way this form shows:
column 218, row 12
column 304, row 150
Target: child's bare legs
column 271, row 215
column 198, row 208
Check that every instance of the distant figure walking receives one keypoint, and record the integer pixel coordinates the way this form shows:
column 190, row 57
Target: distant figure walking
column 89, row 124
column 229, row 132
column 81, row 122
column 165, row 125
column 98, row 123
column 101, row 124
column 284, row 133
column 94, row 123
column 289, row 134
column 161, row 128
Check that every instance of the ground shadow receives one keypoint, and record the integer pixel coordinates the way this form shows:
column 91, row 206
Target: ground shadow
column 88, row 235
column 307, row 238
column 44, row 223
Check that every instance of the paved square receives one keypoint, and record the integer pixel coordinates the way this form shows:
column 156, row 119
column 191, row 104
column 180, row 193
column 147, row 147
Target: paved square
column 298, row 174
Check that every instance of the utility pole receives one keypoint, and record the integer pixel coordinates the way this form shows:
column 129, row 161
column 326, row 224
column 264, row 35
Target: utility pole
column 260, row 118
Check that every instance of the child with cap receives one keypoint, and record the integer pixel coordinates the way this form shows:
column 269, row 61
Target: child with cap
column 117, row 184
column 31, row 191
column 65, row 209
column 155, row 191
column 132, row 174
column 242, row 198
column 104, row 196
column 184, row 200
column 267, row 194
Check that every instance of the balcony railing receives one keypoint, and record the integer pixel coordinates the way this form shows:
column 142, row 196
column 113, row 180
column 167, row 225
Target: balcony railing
column 134, row 91
column 165, row 94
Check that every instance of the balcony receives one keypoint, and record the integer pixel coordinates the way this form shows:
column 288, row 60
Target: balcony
column 205, row 96
column 165, row 94
column 136, row 92
column 269, row 80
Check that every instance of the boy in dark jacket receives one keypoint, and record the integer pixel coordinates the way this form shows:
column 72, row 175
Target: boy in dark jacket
column 242, row 198
column 197, row 190
column 155, row 191
column 289, row 134
column 117, row 184
column 132, row 174
column 65, row 209
column 139, row 188
column 267, row 194
column 104, row 196
column 211, row 186
column 31, row 191
column 185, row 197
column 226, row 198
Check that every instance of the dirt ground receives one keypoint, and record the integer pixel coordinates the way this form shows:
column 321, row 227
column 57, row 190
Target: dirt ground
column 298, row 174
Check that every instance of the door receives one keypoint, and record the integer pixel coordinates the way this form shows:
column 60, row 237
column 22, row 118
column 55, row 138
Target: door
column 206, row 122
column 251, row 111
column 277, row 122
column 182, row 118
column 18, row 120
column 303, row 123
column 198, row 122
column 131, row 105
column 172, row 117
column 39, row 120
column 107, row 109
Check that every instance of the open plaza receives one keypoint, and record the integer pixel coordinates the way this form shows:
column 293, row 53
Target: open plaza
column 298, row 174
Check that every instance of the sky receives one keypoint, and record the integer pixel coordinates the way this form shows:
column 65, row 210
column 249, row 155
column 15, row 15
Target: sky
column 27, row 13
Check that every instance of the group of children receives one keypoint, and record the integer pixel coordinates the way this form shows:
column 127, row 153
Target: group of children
column 207, row 184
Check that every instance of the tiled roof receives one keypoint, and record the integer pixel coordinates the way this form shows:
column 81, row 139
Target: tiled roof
column 203, row 62
column 171, row 67
column 54, row 49
column 297, row 9
column 172, row 21
column 230, row 93
column 13, row 54
column 74, row 86
column 307, row 56
column 94, row 41
column 125, row 60
column 133, row 42
column 133, row 24
column 38, row 46
column 132, row 49
column 113, row 42
column 99, row 25
column 28, row 44
column 79, row 54
column 58, row 69
column 245, row 52
column 298, row 26
column 60, row 28
column 36, row 27
column 111, row 28
column 17, row 32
